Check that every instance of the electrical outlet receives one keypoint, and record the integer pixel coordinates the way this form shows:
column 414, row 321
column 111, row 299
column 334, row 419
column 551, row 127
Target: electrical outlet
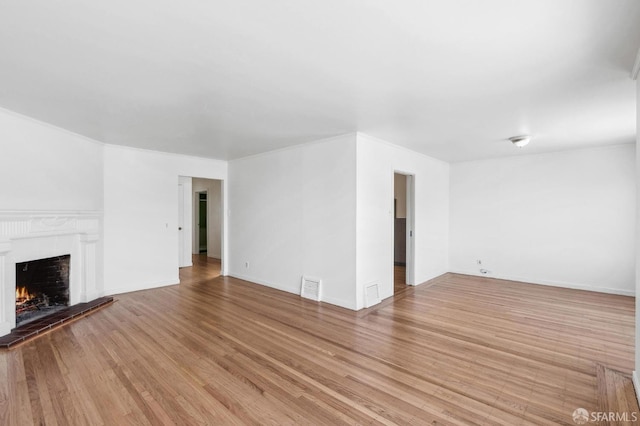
column 246, row 265
column 479, row 262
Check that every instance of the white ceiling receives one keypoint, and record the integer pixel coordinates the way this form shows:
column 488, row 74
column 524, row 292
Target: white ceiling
column 451, row 79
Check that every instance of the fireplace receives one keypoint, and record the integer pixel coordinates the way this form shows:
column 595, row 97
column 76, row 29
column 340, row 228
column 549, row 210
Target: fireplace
column 72, row 238
column 42, row 287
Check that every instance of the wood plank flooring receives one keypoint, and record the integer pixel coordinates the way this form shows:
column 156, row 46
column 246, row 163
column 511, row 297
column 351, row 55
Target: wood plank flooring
column 215, row 350
column 616, row 395
column 399, row 280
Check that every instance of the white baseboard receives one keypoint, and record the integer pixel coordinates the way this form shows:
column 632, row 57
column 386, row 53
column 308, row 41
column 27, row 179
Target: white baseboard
column 94, row 295
column 636, row 385
column 431, row 280
column 265, row 283
column 143, row 286
column 549, row 283
column 296, row 290
column 339, row 302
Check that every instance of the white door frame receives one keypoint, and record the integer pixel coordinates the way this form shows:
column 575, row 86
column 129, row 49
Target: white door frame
column 180, row 225
column 411, row 234
column 194, row 203
column 184, row 197
column 410, row 275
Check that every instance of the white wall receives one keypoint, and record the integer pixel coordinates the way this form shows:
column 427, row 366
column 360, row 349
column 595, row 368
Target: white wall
column 565, row 218
column 141, row 215
column 48, row 169
column 214, row 216
column 43, row 167
column 293, row 214
column 325, row 209
column 376, row 163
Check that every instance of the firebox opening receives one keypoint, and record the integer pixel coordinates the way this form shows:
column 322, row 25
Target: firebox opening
column 42, row 287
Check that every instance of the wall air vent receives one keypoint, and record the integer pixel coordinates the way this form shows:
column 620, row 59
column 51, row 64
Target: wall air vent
column 371, row 295
column 310, row 288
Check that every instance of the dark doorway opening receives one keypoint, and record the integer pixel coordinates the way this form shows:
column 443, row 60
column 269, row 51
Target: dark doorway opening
column 202, row 222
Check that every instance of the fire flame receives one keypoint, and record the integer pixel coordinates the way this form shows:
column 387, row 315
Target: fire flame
column 22, row 295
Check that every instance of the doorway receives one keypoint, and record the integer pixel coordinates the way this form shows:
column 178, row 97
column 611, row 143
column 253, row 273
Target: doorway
column 207, row 218
column 202, row 222
column 201, row 227
column 403, row 235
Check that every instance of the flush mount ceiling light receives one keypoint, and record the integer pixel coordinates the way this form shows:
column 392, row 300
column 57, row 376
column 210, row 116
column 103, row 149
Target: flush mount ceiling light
column 520, row 141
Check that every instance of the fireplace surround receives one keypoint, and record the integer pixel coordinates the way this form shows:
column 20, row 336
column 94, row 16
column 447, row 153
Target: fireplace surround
column 31, row 235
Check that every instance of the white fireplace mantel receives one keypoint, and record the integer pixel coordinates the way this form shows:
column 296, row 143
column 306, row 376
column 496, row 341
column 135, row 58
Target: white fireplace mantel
column 32, row 235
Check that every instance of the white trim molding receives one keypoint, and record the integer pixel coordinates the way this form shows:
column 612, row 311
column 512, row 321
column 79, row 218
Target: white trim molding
column 142, row 286
column 24, row 224
column 561, row 284
column 636, row 385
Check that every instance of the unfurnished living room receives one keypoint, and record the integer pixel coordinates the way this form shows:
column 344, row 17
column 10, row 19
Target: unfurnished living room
column 319, row 212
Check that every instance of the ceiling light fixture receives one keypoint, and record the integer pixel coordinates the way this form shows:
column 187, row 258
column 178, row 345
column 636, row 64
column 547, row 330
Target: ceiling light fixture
column 520, row 141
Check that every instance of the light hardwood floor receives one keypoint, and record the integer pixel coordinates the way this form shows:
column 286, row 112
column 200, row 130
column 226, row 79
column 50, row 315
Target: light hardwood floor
column 214, row 350
column 399, row 279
